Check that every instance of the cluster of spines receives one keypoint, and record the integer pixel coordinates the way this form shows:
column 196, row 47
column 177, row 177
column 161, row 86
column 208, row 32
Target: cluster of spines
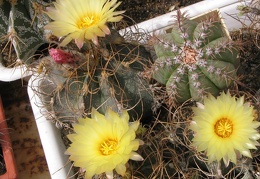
column 190, row 56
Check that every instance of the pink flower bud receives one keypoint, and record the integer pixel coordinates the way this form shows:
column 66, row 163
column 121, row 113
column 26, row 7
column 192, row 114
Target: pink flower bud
column 61, row 56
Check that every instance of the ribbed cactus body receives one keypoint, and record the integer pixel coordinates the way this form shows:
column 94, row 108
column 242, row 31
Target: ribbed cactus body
column 22, row 27
column 194, row 59
column 119, row 84
column 105, row 82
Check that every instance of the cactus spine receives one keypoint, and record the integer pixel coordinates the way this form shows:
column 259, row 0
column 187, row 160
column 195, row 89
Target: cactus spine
column 194, row 59
column 99, row 78
column 21, row 28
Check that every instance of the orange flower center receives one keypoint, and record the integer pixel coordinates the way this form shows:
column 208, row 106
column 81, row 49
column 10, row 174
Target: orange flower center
column 87, row 21
column 223, row 127
column 108, row 147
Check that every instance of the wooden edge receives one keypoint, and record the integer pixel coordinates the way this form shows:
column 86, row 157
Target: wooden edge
column 5, row 141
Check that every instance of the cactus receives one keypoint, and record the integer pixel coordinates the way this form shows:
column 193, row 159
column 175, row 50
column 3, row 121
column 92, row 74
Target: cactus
column 21, row 28
column 194, row 59
column 100, row 78
column 89, row 79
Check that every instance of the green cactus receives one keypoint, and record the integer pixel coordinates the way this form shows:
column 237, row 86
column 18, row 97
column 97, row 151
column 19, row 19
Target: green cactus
column 195, row 58
column 22, row 28
column 90, row 79
column 99, row 78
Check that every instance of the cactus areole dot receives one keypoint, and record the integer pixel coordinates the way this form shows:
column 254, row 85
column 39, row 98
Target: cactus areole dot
column 195, row 58
column 108, row 147
column 223, row 127
column 189, row 55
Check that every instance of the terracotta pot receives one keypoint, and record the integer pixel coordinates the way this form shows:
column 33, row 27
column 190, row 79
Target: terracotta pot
column 5, row 141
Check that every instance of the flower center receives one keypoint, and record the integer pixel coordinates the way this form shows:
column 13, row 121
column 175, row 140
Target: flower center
column 223, row 127
column 108, row 146
column 87, row 21
column 189, row 55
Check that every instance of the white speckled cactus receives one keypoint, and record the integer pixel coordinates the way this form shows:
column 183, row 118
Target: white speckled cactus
column 194, row 59
column 21, row 27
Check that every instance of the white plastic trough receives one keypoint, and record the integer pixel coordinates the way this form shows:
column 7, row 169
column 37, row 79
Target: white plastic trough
column 12, row 74
column 50, row 136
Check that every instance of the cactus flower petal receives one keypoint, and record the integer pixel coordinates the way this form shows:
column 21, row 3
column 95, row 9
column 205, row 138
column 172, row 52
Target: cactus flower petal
column 224, row 128
column 103, row 143
column 82, row 19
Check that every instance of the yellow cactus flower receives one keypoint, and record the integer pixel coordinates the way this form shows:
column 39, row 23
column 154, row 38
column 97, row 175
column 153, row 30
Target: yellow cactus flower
column 82, row 19
column 225, row 128
column 103, row 143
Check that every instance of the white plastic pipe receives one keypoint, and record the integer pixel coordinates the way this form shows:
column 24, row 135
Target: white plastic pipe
column 50, row 136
